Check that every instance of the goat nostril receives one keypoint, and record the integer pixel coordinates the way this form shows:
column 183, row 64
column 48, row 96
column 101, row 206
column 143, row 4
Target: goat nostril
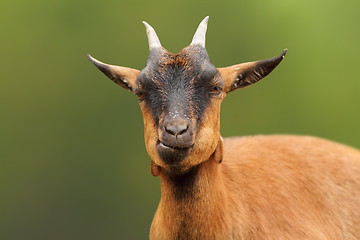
column 176, row 128
column 183, row 130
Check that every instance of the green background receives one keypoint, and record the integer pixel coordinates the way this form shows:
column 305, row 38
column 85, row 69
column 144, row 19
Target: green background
column 72, row 159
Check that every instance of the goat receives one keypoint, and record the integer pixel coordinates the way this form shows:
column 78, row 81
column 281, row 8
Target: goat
column 253, row 187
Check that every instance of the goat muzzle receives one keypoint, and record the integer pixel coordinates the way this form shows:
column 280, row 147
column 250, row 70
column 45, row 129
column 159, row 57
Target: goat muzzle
column 175, row 140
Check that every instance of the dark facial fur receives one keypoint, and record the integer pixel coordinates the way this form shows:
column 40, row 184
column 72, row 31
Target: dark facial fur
column 178, row 87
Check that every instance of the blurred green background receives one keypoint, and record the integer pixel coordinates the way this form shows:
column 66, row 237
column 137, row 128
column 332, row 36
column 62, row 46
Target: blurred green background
column 72, row 159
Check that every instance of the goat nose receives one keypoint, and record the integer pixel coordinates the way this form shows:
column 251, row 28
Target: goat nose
column 177, row 127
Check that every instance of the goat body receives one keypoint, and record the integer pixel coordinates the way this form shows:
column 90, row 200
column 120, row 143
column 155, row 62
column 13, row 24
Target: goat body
column 249, row 188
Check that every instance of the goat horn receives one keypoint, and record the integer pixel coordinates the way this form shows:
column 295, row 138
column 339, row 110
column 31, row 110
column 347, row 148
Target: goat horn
column 153, row 39
column 199, row 36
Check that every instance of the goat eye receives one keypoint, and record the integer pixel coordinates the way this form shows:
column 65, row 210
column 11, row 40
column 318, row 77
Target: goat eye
column 140, row 95
column 216, row 90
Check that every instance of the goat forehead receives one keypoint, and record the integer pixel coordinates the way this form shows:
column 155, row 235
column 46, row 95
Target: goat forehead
column 184, row 69
column 191, row 60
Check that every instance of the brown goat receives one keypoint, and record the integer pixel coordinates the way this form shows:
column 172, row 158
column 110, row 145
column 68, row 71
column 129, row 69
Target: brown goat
column 259, row 187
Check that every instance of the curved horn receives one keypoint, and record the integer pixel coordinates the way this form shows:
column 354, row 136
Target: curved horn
column 153, row 39
column 199, row 36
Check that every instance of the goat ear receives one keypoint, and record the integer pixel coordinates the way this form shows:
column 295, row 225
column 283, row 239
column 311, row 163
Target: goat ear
column 123, row 76
column 245, row 74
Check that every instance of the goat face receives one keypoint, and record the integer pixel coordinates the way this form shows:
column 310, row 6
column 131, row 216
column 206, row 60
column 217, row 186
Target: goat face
column 180, row 96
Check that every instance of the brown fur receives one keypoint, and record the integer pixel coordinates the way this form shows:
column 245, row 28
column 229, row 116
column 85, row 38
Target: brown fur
column 251, row 188
column 267, row 187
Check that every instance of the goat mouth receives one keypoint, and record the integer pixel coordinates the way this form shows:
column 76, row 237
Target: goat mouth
column 167, row 146
column 170, row 154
